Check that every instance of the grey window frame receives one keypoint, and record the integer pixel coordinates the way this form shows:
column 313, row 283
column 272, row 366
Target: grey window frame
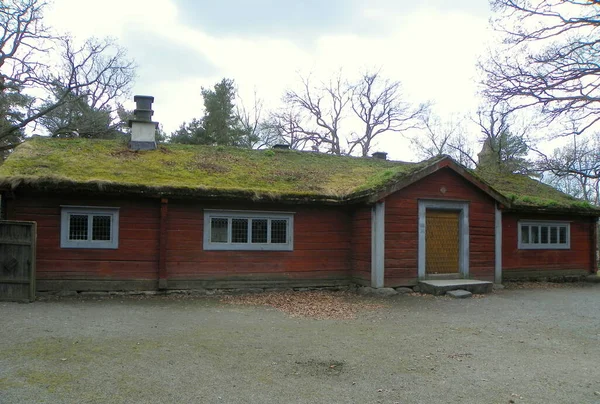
column 209, row 214
column 89, row 211
column 544, row 246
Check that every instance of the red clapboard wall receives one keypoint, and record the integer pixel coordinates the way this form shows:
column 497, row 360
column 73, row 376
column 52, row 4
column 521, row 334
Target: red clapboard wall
column 578, row 257
column 322, row 247
column 401, row 226
column 137, row 255
column 322, row 244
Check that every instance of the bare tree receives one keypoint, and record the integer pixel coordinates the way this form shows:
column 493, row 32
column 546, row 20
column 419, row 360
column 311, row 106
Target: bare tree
column 550, row 59
column 250, row 122
column 378, row 103
column 505, row 142
column 323, row 108
column 575, row 168
column 443, row 137
column 285, row 126
column 59, row 72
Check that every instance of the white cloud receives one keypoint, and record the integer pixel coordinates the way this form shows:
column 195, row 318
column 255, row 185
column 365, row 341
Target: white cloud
column 433, row 53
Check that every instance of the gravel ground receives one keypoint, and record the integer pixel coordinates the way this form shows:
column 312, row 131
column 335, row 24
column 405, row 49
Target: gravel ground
column 519, row 345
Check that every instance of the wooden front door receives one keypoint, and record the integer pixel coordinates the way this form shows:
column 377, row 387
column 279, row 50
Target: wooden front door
column 442, row 240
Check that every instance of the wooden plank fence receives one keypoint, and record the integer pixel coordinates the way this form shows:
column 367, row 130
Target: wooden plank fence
column 17, row 260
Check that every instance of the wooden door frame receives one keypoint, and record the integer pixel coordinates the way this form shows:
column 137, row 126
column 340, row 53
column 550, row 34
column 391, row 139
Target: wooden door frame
column 463, row 231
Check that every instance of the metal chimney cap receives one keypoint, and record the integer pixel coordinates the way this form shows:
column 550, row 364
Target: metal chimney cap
column 143, row 97
column 380, row 155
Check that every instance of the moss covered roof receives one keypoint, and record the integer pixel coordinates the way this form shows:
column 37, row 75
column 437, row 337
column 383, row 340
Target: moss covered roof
column 188, row 169
column 227, row 172
column 524, row 192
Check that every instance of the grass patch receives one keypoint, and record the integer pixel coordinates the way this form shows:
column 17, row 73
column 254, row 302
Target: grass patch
column 50, row 380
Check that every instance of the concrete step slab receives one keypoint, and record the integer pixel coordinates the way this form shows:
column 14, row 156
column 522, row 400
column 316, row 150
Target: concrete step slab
column 459, row 294
column 440, row 287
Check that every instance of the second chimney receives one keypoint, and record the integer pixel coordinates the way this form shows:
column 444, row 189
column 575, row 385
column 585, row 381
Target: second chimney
column 380, row 155
column 281, row 146
column 143, row 129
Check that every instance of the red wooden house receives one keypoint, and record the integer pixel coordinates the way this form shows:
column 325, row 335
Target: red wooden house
column 117, row 216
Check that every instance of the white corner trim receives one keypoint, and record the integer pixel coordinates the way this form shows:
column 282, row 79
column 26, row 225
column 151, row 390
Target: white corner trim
column 463, row 209
column 498, row 245
column 378, row 245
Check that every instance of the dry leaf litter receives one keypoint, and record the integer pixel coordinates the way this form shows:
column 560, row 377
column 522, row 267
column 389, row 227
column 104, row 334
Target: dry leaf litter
column 542, row 285
column 313, row 304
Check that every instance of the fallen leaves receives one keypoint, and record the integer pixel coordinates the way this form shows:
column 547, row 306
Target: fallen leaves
column 313, row 304
column 541, row 285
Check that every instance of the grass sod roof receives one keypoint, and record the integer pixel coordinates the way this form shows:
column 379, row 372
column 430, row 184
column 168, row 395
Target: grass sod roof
column 235, row 173
column 188, row 170
column 526, row 193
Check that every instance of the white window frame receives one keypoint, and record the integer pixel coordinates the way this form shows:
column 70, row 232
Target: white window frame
column 90, row 211
column 248, row 246
column 545, row 246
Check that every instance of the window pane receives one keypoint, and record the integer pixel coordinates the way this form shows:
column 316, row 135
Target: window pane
column 259, row 230
column 535, row 235
column 562, row 235
column 279, row 231
column 218, row 230
column 101, row 228
column 78, row 227
column 544, row 237
column 525, row 234
column 553, row 235
column 239, row 230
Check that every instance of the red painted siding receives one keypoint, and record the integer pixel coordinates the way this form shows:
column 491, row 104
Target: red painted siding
column 578, row 257
column 361, row 245
column 322, row 244
column 136, row 257
column 401, row 226
column 322, row 241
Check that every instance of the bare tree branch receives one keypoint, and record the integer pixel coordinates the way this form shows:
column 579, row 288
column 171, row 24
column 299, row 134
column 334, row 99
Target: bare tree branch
column 575, row 168
column 551, row 60
column 443, row 137
column 323, row 107
column 378, row 103
column 505, row 143
column 59, row 72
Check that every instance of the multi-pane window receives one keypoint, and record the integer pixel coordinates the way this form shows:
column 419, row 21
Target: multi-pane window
column 228, row 230
column 83, row 227
column 544, row 235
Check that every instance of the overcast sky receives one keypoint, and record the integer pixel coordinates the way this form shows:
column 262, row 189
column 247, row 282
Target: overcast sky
column 181, row 45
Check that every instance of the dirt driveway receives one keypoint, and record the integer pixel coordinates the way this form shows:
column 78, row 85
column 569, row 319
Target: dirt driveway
column 516, row 345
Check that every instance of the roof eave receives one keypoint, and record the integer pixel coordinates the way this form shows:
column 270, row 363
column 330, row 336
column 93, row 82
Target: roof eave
column 563, row 210
column 109, row 188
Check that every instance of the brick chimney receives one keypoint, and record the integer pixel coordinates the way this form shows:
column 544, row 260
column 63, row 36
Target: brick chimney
column 143, row 129
column 380, row 155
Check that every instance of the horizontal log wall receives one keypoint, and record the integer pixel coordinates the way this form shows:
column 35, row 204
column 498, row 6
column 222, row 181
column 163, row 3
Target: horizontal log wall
column 577, row 260
column 136, row 259
column 322, row 248
column 401, row 226
column 321, row 256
